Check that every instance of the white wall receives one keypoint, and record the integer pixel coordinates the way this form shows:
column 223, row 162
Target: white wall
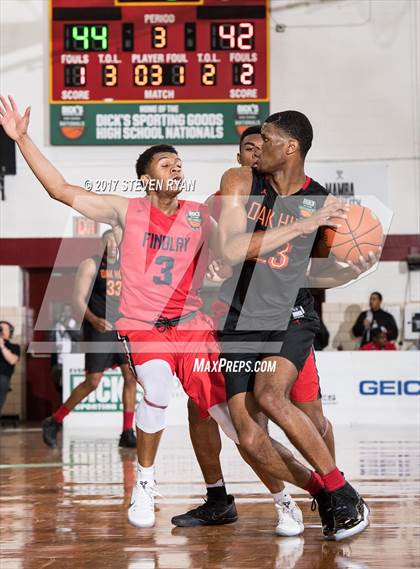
column 393, row 292
column 11, row 289
column 355, row 75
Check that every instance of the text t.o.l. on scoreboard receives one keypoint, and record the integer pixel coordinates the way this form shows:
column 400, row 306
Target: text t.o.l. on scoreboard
column 157, row 71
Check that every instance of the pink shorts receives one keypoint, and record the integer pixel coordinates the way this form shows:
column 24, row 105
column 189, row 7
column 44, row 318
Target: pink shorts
column 190, row 349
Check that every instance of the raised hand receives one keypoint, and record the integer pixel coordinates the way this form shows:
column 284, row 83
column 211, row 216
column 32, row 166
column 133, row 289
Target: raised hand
column 15, row 125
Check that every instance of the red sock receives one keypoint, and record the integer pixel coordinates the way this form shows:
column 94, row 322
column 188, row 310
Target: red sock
column 315, row 484
column 128, row 417
column 61, row 413
column 333, row 480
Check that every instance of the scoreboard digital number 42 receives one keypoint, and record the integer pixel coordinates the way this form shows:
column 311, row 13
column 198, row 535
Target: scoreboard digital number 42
column 153, row 71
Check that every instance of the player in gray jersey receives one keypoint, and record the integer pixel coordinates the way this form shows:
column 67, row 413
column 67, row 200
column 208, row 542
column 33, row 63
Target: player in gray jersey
column 268, row 226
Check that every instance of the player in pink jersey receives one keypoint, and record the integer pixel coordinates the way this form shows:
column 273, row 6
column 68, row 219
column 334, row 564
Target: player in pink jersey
column 161, row 324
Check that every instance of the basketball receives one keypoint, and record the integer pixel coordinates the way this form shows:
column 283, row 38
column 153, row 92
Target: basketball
column 359, row 234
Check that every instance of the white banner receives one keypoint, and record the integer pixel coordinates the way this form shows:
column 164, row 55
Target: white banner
column 358, row 388
column 362, row 388
column 348, row 179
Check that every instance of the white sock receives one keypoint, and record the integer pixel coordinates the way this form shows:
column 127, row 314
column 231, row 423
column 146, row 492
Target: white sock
column 280, row 497
column 217, row 484
column 145, row 473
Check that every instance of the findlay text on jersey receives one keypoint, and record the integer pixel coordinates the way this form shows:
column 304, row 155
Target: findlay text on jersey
column 165, row 242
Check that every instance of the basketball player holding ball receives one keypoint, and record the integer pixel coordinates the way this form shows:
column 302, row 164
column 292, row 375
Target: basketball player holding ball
column 271, row 314
column 205, row 436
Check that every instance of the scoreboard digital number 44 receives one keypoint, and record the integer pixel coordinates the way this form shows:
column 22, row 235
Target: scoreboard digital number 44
column 147, row 72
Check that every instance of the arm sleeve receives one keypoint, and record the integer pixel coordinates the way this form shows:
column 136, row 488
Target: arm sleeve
column 392, row 328
column 15, row 349
column 358, row 327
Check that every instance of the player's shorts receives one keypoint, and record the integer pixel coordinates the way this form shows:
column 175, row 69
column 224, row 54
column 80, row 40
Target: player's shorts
column 294, row 344
column 191, row 350
column 306, row 387
column 99, row 362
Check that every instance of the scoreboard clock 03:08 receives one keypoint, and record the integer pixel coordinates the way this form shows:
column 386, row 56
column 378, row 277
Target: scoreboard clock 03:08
column 145, row 72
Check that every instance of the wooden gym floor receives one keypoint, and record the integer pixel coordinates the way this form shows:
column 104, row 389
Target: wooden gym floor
column 67, row 508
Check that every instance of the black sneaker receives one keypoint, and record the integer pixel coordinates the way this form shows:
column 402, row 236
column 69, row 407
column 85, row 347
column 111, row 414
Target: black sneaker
column 128, row 439
column 210, row 513
column 50, row 429
column 322, row 499
column 350, row 513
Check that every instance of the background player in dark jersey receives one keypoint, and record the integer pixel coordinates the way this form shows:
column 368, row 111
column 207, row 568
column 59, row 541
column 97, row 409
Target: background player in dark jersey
column 269, row 220
column 99, row 280
column 250, row 145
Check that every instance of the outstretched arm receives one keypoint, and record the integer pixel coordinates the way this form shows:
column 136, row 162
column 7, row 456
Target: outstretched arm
column 236, row 244
column 106, row 209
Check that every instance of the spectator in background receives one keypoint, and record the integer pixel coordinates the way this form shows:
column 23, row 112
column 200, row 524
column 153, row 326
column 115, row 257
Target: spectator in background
column 379, row 341
column 373, row 318
column 64, row 335
column 9, row 356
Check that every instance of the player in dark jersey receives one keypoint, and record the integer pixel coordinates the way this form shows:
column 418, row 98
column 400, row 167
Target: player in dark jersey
column 99, row 280
column 268, row 225
column 205, row 437
column 219, row 506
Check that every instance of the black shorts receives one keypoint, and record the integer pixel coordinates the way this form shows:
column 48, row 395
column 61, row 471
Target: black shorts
column 294, row 344
column 106, row 358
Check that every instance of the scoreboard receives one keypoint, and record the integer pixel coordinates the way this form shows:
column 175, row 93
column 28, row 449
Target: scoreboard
column 154, row 71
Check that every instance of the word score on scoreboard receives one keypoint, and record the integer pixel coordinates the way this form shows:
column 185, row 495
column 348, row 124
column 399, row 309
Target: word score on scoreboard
column 157, row 71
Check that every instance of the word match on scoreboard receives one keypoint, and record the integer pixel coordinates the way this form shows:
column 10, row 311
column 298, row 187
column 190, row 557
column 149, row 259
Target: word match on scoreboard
column 112, row 53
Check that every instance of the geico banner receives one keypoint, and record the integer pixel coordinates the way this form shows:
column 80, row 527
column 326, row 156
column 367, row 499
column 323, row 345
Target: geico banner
column 357, row 388
column 370, row 388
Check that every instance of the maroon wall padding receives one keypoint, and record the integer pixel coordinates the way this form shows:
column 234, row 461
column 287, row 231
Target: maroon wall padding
column 397, row 247
column 42, row 252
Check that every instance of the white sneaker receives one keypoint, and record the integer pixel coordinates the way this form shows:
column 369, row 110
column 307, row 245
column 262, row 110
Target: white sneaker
column 141, row 512
column 290, row 517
